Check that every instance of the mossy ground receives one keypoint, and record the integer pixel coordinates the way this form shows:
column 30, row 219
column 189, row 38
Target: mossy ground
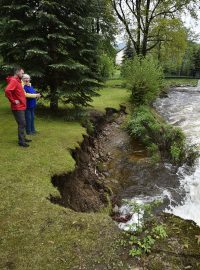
column 180, row 250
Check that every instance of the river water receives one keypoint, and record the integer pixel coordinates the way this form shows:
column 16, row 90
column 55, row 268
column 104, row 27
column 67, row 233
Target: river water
column 143, row 182
column 182, row 108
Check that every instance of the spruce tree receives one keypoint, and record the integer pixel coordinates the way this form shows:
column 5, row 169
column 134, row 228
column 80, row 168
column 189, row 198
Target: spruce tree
column 54, row 41
column 129, row 51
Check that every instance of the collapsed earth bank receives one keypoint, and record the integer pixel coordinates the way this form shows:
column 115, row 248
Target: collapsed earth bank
column 94, row 186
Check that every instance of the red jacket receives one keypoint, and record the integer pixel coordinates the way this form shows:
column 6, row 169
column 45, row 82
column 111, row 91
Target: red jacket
column 14, row 91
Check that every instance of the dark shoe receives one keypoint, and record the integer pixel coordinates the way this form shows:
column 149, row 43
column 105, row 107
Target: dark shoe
column 23, row 144
column 35, row 132
column 27, row 140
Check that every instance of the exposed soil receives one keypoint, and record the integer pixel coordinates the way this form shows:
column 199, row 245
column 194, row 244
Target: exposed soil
column 110, row 166
column 84, row 189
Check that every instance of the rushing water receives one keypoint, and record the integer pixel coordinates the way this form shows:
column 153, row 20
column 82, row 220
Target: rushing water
column 143, row 182
column 132, row 176
column 182, row 108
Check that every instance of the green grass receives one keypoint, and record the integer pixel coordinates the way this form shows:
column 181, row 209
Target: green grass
column 36, row 234
column 170, row 82
column 111, row 96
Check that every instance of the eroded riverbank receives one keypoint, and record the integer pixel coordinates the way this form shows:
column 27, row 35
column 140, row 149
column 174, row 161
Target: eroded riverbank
column 110, row 166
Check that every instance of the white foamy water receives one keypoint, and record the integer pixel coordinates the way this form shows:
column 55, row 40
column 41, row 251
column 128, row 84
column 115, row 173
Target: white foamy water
column 136, row 219
column 182, row 108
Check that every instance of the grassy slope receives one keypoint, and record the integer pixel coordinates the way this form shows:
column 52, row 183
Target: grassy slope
column 36, row 234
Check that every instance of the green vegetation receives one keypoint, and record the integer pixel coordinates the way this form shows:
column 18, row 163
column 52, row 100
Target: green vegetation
column 106, row 66
column 144, row 78
column 146, row 230
column 35, row 233
column 63, row 44
column 145, row 125
column 67, row 47
column 173, row 82
column 179, row 250
column 171, row 52
column 190, row 65
column 155, row 28
column 111, row 96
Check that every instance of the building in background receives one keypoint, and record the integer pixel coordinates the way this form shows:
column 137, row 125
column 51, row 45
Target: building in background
column 120, row 56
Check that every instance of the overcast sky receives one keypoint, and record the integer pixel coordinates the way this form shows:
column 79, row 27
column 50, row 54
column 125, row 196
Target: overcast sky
column 193, row 24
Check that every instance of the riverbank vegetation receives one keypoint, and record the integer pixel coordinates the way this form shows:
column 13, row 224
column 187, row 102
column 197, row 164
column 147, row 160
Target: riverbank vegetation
column 178, row 82
column 144, row 78
column 162, row 140
column 145, row 230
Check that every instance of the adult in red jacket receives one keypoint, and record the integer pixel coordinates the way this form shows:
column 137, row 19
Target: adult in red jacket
column 16, row 95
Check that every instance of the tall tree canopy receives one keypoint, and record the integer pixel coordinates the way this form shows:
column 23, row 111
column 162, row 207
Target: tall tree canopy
column 171, row 51
column 141, row 19
column 57, row 43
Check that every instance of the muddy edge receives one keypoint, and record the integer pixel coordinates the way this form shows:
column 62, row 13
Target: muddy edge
column 84, row 189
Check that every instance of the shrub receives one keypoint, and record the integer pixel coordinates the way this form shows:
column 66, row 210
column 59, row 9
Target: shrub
column 106, row 66
column 144, row 78
column 160, row 138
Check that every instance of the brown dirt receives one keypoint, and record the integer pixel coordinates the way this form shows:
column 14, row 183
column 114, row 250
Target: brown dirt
column 84, row 189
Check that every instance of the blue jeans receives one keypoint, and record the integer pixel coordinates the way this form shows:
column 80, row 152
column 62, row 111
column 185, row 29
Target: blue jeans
column 29, row 114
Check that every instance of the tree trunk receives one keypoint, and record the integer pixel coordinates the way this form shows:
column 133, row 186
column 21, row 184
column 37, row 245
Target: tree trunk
column 146, row 29
column 159, row 51
column 97, row 26
column 54, row 104
column 53, row 75
column 144, row 45
column 53, row 95
column 138, row 17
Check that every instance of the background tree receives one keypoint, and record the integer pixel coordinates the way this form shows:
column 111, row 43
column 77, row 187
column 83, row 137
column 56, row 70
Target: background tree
column 55, row 41
column 197, row 63
column 171, row 50
column 105, row 26
column 141, row 18
column 129, row 51
column 106, row 66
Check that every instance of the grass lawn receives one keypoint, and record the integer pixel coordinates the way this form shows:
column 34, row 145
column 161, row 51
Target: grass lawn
column 111, row 96
column 36, row 234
